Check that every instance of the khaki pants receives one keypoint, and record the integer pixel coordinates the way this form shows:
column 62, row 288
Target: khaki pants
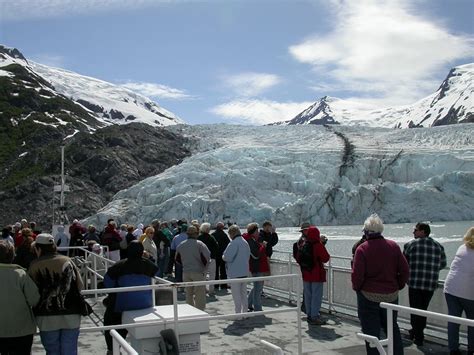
column 195, row 295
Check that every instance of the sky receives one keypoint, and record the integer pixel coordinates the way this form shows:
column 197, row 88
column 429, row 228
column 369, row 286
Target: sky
column 249, row 61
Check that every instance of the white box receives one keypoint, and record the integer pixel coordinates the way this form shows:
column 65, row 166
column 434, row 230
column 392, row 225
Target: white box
column 145, row 339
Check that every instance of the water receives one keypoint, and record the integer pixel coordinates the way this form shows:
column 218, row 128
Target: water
column 342, row 238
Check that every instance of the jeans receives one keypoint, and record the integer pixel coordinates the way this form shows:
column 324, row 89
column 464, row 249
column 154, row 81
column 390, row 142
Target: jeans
column 178, row 272
column 372, row 318
column 313, row 297
column 456, row 305
column 419, row 299
column 60, row 342
column 255, row 295
column 163, row 263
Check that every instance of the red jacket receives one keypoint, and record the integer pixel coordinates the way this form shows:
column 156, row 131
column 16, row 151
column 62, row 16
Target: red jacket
column 320, row 254
column 379, row 266
column 258, row 261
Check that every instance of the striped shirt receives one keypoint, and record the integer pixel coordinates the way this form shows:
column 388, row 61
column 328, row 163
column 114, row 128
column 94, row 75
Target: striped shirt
column 426, row 258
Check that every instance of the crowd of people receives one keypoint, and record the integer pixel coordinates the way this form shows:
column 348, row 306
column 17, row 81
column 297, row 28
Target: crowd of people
column 44, row 284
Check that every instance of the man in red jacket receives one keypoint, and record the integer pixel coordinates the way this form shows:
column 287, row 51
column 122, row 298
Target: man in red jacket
column 314, row 274
column 379, row 271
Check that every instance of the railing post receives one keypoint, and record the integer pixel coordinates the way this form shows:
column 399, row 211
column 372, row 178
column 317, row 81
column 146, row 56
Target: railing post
column 94, row 267
column 330, row 286
column 390, row 330
column 175, row 311
column 298, row 314
column 290, row 288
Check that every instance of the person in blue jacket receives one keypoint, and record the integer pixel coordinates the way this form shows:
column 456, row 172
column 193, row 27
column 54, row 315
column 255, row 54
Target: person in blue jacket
column 132, row 271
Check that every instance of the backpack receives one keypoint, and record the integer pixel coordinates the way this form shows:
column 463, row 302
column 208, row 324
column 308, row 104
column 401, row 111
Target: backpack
column 306, row 259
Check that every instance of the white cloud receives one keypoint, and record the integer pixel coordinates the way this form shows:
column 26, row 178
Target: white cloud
column 380, row 46
column 157, row 90
column 258, row 112
column 14, row 10
column 251, row 84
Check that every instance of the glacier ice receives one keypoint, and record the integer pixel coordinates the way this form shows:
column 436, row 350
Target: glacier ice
column 323, row 174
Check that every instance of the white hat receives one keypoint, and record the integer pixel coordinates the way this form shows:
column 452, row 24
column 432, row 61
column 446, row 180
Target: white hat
column 44, row 239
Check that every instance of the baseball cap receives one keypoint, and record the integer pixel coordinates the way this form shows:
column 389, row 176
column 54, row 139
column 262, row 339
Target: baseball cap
column 44, row 239
column 304, row 226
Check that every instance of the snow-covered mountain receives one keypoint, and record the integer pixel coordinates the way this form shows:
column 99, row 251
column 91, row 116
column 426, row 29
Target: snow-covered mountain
column 452, row 103
column 323, row 174
column 108, row 103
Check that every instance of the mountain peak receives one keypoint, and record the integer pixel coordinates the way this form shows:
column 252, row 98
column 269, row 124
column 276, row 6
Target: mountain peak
column 12, row 52
column 452, row 103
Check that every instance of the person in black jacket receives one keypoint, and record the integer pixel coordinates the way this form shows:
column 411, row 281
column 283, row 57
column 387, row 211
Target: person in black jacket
column 213, row 247
column 222, row 240
column 133, row 271
column 163, row 249
column 268, row 237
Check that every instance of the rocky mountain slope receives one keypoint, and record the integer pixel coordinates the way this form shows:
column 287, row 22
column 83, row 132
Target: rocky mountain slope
column 452, row 103
column 38, row 114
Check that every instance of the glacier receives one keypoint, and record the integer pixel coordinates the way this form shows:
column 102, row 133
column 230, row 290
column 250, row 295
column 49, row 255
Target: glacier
column 327, row 175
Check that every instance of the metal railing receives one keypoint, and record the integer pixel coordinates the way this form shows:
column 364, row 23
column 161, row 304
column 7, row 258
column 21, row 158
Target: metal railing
column 177, row 320
column 379, row 343
column 120, row 345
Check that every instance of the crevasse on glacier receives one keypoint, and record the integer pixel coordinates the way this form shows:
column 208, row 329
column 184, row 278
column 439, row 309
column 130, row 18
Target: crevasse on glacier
column 325, row 175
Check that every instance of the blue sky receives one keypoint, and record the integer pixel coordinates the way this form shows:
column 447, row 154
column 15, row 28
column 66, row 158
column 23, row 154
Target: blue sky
column 249, row 61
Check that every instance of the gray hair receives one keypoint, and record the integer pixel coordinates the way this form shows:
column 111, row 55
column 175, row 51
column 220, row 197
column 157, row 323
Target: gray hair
column 373, row 224
column 234, row 231
column 205, row 227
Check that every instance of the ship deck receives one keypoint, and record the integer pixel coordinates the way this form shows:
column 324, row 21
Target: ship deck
column 226, row 336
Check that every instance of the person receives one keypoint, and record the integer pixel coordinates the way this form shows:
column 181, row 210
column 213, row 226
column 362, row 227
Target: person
column 177, row 240
column 6, row 235
column 258, row 264
column 314, row 274
column 426, row 258
column 213, row 247
column 111, row 238
column 149, row 246
column 268, row 237
column 162, row 243
column 223, row 241
column 132, row 271
column 303, row 228
column 58, row 313
column 91, row 234
column 194, row 256
column 76, row 230
column 18, row 295
column 379, row 271
column 25, row 253
column 17, row 237
column 236, row 257
column 459, row 292
column 62, row 240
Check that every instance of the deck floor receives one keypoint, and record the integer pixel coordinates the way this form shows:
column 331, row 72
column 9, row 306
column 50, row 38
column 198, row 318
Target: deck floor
column 243, row 336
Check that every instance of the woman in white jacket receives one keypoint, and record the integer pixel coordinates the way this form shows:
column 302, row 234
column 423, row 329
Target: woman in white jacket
column 236, row 257
column 459, row 292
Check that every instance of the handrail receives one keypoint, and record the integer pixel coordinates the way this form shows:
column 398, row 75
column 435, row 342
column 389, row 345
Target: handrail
column 403, row 309
column 119, row 343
